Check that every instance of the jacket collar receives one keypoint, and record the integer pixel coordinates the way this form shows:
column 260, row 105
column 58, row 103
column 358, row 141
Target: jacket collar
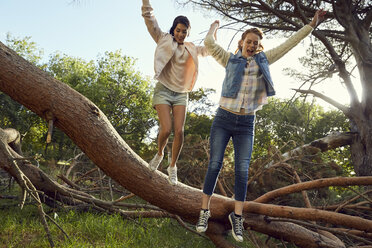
column 239, row 54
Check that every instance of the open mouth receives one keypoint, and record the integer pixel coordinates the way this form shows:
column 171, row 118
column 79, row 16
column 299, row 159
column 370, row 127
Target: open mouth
column 179, row 40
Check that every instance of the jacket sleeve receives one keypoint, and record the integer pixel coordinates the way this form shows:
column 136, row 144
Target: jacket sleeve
column 150, row 21
column 202, row 51
column 217, row 52
column 279, row 51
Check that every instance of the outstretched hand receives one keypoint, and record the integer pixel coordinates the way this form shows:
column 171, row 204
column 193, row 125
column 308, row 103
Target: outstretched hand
column 318, row 17
column 214, row 27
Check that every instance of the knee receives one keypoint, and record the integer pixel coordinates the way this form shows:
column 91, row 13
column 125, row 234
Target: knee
column 242, row 165
column 214, row 166
column 178, row 132
column 165, row 131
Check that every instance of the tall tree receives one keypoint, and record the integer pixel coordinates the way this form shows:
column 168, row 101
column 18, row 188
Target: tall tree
column 343, row 44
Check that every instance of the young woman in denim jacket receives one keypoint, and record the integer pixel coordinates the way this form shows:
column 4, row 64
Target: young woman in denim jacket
column 176, row 69
column 245, row 89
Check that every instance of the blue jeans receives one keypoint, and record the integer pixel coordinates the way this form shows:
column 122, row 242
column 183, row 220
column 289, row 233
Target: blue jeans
column 240, row 128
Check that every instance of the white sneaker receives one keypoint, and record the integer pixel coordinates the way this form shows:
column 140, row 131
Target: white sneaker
column 154, row 163
column 172, row 175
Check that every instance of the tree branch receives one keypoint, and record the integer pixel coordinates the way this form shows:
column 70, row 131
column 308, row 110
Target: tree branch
column 316, row 227
column 368, row 19
column 315, row 184
column 327, row 99
column 309, row 214
column 341, row 67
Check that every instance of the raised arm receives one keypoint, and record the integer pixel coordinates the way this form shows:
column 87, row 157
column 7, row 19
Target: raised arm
column 202, row 51
column 150, row 21
column 318, row 18
column 218, row 53
column 279, row 51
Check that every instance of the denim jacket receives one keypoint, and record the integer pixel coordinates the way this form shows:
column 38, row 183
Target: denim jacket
column 235, row 63
column 235, row 72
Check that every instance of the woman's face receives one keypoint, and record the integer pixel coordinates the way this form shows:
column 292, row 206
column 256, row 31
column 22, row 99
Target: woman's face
column 250, row 44
column 180, row 33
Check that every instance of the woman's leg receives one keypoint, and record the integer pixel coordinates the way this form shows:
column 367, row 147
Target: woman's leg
column 218, row 141
column 238, row 209
column 165, row 123
column 205, row 201
column 179, row 116
column 243, row 146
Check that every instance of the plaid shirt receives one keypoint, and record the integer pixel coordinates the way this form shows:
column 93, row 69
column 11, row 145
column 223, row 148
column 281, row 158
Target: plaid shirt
column 252, row 94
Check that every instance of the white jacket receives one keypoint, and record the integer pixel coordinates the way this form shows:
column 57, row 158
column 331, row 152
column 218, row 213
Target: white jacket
column 166, row 46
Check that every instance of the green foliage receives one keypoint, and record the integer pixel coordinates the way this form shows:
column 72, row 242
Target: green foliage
column 113, row 85
column 198, row 125
column 289, row 124
column 110, row 82
column 199, row 103
column 25, row 48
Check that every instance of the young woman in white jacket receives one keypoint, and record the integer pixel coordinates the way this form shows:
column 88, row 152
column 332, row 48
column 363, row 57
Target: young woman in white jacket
column 176, row 70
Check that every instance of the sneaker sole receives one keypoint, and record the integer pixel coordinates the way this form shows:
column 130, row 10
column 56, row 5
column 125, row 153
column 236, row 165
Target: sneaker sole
column 171, row 183
column 201, row 230
column 154, row 168
column 232, row 231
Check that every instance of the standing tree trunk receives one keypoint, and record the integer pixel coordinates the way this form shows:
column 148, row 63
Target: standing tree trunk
column 360, row 114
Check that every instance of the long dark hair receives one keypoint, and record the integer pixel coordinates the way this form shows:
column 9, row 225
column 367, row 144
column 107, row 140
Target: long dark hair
column 180, row 19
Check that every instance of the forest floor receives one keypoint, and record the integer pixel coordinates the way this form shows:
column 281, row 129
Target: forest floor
column 22, row 228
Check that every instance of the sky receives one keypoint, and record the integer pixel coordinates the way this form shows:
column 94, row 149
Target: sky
column 88, row 28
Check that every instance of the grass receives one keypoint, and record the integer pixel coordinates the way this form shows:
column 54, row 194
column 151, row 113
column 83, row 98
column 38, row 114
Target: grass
column 22, row 228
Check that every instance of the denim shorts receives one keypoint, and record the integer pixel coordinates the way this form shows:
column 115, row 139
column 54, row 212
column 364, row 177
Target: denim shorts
column 163, row 95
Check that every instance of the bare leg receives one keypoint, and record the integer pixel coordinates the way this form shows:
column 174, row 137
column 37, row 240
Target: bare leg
column 179, row 116
column 205, row 201
column 239, row 207
column 165, row 123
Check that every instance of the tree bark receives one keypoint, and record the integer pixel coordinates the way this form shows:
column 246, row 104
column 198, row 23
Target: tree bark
column 89, row 128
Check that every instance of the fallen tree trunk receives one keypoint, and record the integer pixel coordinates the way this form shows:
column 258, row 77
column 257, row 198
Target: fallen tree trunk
column 90, row 130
